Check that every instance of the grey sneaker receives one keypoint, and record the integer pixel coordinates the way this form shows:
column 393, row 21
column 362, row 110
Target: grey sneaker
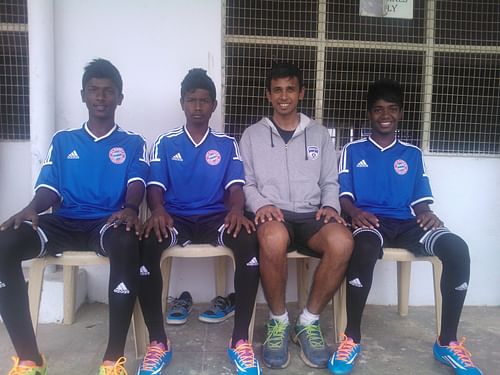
column 313, row 349
column 179, row 308
column 275, row 349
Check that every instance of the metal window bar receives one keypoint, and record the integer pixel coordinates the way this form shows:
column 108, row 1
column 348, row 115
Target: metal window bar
column 446, row 57
column 14, row 71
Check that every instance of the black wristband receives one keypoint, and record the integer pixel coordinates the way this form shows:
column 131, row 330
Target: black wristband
column 132, row 207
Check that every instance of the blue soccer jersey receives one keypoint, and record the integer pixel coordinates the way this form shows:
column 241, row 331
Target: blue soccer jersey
column 384, row 181
column 195, row 176
column 91, row 174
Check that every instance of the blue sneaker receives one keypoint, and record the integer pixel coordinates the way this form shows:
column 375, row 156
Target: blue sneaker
column 455, row 355
column 244, row 358
column 179, row 309
column 275, row 348
column 156, row 358
column 343, row 359
column 313, row 349
column 221, row 309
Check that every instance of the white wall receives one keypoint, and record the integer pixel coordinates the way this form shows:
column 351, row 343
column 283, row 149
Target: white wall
column 467, row 200
column 15, row 177
column 154, row 43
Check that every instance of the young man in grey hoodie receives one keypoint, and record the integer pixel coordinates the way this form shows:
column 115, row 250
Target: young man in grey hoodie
column 292, row 189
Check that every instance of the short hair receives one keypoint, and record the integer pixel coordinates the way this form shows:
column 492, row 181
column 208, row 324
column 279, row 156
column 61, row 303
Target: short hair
column 283, row 70
column 197, row 78
column 385, row 89
column 101, row 68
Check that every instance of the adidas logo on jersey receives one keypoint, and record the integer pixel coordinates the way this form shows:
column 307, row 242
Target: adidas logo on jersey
column 73, row 155
column 121, row 289
column 177, row 157
column 144, row 271
column 2, row 284
column 253, row 262
column 356, row 282
column 362, row 164
column 462, row 286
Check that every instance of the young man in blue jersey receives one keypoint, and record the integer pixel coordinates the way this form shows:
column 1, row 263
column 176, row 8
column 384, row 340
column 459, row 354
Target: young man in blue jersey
column 94, row 180
column 292, row 188
column 195, row 195
column 386, row 194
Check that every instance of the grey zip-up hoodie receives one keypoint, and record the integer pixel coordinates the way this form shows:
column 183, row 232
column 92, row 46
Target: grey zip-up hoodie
column 300, row 176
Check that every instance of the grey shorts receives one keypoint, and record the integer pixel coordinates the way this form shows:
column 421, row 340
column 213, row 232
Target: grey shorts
column 301, row 227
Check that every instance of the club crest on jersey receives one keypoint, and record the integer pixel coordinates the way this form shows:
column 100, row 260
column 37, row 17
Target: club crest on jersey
column 401, row 167
column 117, row 155
column 313, row 152
column 212, row 157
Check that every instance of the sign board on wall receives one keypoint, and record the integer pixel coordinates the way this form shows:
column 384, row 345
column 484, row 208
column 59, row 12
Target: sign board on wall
column 386, row 8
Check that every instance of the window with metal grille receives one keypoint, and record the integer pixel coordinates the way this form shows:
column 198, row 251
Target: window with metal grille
column 14, row 71
column 447, row 57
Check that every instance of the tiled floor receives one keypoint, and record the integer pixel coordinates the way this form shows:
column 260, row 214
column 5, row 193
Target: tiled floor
column 391, row 344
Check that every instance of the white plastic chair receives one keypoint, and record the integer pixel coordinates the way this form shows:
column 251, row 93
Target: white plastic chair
column 404, row 258
column 71, row 260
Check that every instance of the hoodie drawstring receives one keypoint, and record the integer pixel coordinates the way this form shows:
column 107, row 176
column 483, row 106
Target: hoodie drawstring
column 305, row 139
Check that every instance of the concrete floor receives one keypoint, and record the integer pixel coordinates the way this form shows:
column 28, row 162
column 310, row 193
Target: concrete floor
column 391, row 344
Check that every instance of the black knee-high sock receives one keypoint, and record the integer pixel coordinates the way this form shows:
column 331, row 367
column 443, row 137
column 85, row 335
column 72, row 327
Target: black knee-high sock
column 359, row 280
column 122, row 248
column 15, row 246
column 454, row 254
column 246, row 280
column 150, row 288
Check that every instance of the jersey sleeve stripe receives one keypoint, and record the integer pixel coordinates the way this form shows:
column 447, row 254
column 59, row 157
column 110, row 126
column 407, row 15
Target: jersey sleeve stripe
column 424, row 199
column 133, row 179
column 48, row 187
column 234, row 182
column 236, row 151
column 156, row 183
column 347, row 193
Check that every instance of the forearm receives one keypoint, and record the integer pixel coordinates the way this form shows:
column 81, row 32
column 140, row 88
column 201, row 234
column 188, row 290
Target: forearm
column 155, row 197
column 348, row 206
column 134, row 195
column 421, row 208
column 43, row 200
column 236, row 199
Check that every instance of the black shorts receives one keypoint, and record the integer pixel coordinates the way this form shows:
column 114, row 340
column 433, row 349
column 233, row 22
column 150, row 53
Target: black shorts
column 406, row 234
column 301, row 227
column 198, row 229
column 59, row 234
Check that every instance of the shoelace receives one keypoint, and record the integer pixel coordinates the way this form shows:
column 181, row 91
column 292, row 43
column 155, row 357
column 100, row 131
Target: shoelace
column 314, row 335
column 117, row 368
column 153, row 356
column 461, row 352
column 345, row 349
column 276, row 334
column 176, row 304
column 19, row 369
column 245, row 354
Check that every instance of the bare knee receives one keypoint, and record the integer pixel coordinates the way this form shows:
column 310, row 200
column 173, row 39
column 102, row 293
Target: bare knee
column 273, row 239
column 335, row 242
